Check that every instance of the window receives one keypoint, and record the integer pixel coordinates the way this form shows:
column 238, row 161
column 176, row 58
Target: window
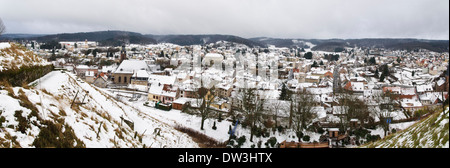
column 125, row 79
column 120, row 79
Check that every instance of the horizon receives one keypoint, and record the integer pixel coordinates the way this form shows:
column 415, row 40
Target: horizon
column 231, row 35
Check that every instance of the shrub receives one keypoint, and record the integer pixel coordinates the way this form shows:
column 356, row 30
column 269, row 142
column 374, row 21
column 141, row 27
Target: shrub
column 259, row 144
column 280, row 128
column 2, row 118
column 320, row 130
column 420, row 113
column 272, row 141
column 53, row 136
column 394, row 130
column 371, row 138
column 26, row 74
column 306, row 138
column 201, row 138
column 269, row 123
column 361, row 132
column 299, row 134
column 23, row 122
column 241, row 140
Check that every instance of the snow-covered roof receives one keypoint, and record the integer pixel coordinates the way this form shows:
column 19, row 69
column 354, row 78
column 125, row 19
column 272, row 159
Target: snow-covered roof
column 82, row 67
column 182, row 100
column 424, row 88
column 129, row 66
column 162, row 79
column 141, row 74
column 357, row 86
column 155, row 89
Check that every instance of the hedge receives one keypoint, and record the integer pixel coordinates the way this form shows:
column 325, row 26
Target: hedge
column 24, row 75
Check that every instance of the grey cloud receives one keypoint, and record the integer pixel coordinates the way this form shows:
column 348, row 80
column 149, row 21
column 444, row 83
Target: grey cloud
column 251, row 18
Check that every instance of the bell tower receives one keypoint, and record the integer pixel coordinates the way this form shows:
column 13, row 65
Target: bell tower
column 123, row 54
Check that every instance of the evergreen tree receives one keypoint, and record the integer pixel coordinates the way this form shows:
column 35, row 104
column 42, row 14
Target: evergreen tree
column 314, row 64
column 385, row 72
column 308, row 55
column 372, row 61
column 94, row 52
column 285, row 93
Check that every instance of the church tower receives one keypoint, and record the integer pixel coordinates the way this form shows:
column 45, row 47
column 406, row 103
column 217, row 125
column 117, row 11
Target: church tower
column 336, row 80
column 123, row 54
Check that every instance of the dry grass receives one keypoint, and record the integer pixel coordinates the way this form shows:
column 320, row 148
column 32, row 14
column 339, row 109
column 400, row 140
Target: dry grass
column 203, row 140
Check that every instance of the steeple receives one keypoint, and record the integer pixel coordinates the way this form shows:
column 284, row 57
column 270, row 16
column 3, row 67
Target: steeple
column 123, row 54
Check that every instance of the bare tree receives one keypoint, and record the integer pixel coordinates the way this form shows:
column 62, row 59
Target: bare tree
column 302, row 111
column 252, row 107
column 387, row 102
column 207, row 100
column 2, row 27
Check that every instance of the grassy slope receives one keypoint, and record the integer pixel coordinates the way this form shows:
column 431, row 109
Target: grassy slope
column 431, row 132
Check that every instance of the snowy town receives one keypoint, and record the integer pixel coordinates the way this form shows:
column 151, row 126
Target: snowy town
column 254, row 97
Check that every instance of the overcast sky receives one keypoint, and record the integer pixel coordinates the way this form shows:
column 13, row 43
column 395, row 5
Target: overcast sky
column 425, row 19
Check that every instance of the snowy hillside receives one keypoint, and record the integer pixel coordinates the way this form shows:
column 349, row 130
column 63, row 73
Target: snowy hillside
column 96, row 119
column 13, row 55
column 431, row 132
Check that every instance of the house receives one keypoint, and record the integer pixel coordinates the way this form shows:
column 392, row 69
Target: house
column 312, row 79
column 213, row 58
column 101, row 80
column 180, row 103
column 182, row 76
column 354, row 123
column 187, row 90
column 169, row 94
column 140, row 77
column 80, row 70
column 154, row 93
column 220, row 104
column 424, row 88
column 89, row 76
column 411, row 104
column 356, row 87
column 333, row 132
column 408, row 93
column 161, row 79
column 125, row 71
column 293, row 144
column 223, row 90
column 393, row 90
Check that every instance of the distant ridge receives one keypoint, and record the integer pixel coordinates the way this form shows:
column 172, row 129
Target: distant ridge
column 332, row 44
column 204, row 39
column 117, row 38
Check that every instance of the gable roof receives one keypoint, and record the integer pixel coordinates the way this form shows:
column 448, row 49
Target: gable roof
column 130, row 66
column 161, row 79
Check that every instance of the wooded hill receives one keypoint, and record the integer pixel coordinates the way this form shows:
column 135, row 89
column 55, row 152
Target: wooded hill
column 117, row 38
